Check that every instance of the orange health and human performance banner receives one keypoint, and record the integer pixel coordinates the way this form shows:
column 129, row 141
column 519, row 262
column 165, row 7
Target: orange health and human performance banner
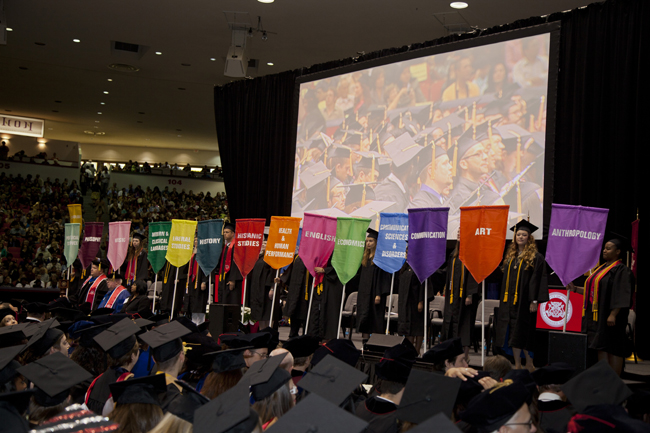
column 483, row 231
column 281, row 244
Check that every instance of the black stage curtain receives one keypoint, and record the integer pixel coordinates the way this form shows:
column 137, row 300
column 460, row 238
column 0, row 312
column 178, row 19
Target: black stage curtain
column 601, row 108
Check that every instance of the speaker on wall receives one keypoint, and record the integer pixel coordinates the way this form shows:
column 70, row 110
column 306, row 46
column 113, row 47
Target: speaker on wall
column 568, row 347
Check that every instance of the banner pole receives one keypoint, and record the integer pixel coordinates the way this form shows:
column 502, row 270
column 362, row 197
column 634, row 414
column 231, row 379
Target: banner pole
column 338, row 330
column 390, row 299
column 68, row 285
column 210, row 300
column 174, row 297
column 482, row 323
column 155, row 281
column 243, row 299
column 311, row 298
column 566, row 309
column 426, row 312
column 275, row 289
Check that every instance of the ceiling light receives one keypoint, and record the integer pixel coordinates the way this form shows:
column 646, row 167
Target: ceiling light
column 264, row 36
column 89, row 132
column 158, row 53
column 458, row 5
column 9, row 29
column 103, row 103
column 100, row 133
column 96, row 121
column 76, row 40
column 270, row 63
column 110, row 79
column 266, row 1
column 212, row 59
column 99, row 112
column 105, row 92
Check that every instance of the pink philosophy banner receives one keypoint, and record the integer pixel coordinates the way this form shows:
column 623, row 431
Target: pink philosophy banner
column 317, row 242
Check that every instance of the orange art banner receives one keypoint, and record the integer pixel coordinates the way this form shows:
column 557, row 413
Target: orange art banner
column 281, row 244
column 483, row 231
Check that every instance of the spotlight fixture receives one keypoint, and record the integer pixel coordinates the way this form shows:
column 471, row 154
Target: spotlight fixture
column 110, row 79
column 105, row 92
column 266, row 1
column 76, row 40
column 158, row 53
column 264, row 36
column 270, row 63
column 458, row 5
column 9, row 29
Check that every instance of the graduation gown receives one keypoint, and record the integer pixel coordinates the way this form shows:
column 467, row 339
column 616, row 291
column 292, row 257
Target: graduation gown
column 458, row 318
column 172, row 393
column 325, row 308
column 373, row 282
column 259, row 284
column 140, row 266
column 227, row 296
column 100, row 291
column 99, row 390
column 410, row 321
column 554, row 415
column 614, row 291
column 74, row 289
column 298, row 281
column 379, row 414
column 168, row 276
column 137, row 305
column 196, row 298
column 521, row 285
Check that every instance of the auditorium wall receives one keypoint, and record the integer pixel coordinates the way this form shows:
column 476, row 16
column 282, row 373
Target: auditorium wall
column 123, row 180
column 44, row 170
column 152, row 155
column 65, row 150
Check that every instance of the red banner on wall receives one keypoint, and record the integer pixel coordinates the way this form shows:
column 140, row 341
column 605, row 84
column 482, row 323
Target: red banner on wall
column 248, row 243
column 550, row 315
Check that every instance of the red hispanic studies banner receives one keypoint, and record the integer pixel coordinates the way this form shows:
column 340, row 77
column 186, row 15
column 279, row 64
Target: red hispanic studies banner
column 550, row 315
column 248, row 243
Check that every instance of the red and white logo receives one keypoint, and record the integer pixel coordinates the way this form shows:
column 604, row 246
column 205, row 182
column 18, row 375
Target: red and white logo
column 553, row 311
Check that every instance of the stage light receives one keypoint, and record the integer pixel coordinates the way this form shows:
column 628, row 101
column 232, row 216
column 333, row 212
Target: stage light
column 458, row 5
column 270, row 63
column 105, row 92
column 103, row 103
column 266, row 1
column 264, row 36
column 110, row 79
column 9, row 29
column 212, row 59
column 99, row 112
column 76, row 40
column 158, row 53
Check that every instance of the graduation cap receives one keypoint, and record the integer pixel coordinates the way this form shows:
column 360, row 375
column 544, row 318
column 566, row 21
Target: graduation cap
column 228, row 360
column 422, row 114
column 160, row 319
column 316, row 414
column 4, row 312
column 493, row 408
column 197, row 347
column 397, row 362
column 279, row 377
column 524, row 377
column 19, row 400
column 426, row 157
column 101, row 312
column 598, row 384
column 470, row 388
column 8, row 364
column 119, row 339
column 87, row 334
column 372, row 233
column 275, row 338
column 372, row 209
column 12, row 407
column 54, row 376
column 353, row 138
column 439, row 424
column 338, row 151
column 37, row 307
column 143, row 323
column 144, row 390
column 139, row 236
column 356, row 194
column 230, row 412
column 557, row 373
column 44, row 338
column 257, row 340
column 427, row 394
column 537, row 145
column 186, row 322
column 314, row 175
column 165, row 341
column 302, row 346
column 524, row 225
column 12, row 335
column 340, row 348
column 621, row 242
column 229, row 225
column 367, row 158
column 116, row 276
column 443, row 351
column 262, row 370
column 186, row 405
column 102, row 264
column 332, row 379
column 403, row 149
column 512, row 136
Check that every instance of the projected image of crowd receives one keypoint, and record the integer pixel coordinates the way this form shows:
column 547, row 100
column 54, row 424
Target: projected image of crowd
column 456, row 129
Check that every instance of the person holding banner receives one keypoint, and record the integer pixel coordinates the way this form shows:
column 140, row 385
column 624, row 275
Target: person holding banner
column 136, row 266
column 230, row 279
column 298, row 281
column 169, row 279
column 524, row 286
column 196, row 289
column 462, row 298
column 607, row 302
column 410, row 308
column 95, row 286
column 260, row 288
column 374, row 287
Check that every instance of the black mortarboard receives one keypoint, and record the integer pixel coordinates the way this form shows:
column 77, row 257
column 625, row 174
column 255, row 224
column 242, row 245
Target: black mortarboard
column 314, row 175
column 36, row 307
column 44, row 337
column 332, row 379
column 165, row 341
column 367, row 158
column 302, row 346
column 228, row 225
column 54, row 376
column 491, row 409
column 340, row 348
column 12, row 407
column 229, row 412
column 512, row 135
column 262, row 370
column 470, row 388
column 351, row 139
column 597, row 385
column 18, row 399
column 12, row 335
column 425, row 395
column 275, row 338
column 557, row 373
column 397, row 362
column 143, row 324
column 524, row 225
column 316, row 414
column 7, row 312
column 101, row 312
column 402, row 149
column 8, row 364
column 279, row 378
column 425, row 157
column 119, row 339
column 443, row 351
column 143, row 390
column 338, row 151
column 103, row 264
column 199, row 349
column 160, row 319
column 185, row 405
column 439, row 424
column 372, row 233
column 257, row 340
column 67, row 314
column 355, row 194
column 186, row 322
column 139, row 236
column 621, row 242
column 87, row 335
column 115, row 275
column 228, row 360
column 524, row 377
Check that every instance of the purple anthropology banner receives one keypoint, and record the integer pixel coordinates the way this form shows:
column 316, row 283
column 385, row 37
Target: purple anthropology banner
column 427, row 240
column 575, row 239
column 92, row 238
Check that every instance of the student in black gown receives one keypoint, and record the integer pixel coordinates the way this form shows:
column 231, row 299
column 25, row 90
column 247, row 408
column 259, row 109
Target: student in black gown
column 298, row 282
column 260, row 284
column 230, row 279
column 138, row 302
column 169, row 278
column 524, row 286
column 136, row 266
column 410, row 307
column 325, row 307
column 374, row 287
column 196, row 290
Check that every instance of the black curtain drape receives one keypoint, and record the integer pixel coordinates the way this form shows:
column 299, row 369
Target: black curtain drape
column 600, row 123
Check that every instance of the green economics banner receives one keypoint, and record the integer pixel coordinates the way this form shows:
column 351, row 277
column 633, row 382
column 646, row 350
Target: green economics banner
column 349, row 246
column 158, row 240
